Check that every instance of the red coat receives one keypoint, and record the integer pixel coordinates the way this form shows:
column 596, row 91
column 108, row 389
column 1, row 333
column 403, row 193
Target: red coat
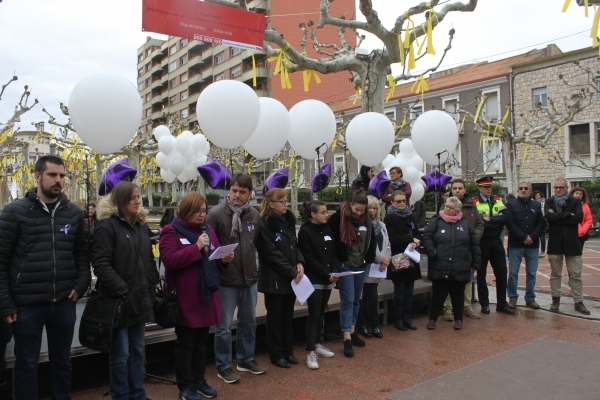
column 181, row 273
column 585, row 225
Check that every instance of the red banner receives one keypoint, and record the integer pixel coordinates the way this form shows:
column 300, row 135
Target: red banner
column 206, row 22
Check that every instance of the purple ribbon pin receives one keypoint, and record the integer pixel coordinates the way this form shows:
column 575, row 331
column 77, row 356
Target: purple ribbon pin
column 66, row 229
column 277, row 237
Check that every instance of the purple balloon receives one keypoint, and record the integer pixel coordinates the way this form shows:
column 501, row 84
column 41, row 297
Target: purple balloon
column 379, row 185
column 115, row 173
column 436, row 181
column 216, row 175
column 321, row 178
column 278, row 179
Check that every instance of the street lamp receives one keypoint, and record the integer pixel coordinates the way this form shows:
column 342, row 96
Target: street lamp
column 497, row 167
column 339, row 174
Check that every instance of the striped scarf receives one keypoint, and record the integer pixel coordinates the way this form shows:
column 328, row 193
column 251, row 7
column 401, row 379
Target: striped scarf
column 236, row 220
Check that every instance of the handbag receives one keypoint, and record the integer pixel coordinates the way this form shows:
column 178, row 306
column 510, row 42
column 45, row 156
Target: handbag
column 165, row 307
column 400, row 262
column 101, row 317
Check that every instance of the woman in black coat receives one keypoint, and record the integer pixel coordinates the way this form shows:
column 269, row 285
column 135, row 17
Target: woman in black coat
column 363, row 180
column 124, row 265
column 452, row 250
column 280, row 262
column 403, row 232
column 315, row 240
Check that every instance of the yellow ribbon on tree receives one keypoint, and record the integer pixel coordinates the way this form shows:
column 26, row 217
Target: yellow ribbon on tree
column 479, row 106
column 402, row 124
column 400, row 47
column 501, row 123
column 392, row 85
column 408, row 45
column 283, row 63
column 306, row 75
column 292, row 158
column 462, row 124
column 253, row 70
column 420, row 86
column 566, row 5
column 249, row 168
column 335, row 139
column 525, row 153
column 559, row 129
column 594, row 31
column 432, row 13
column 357, row 93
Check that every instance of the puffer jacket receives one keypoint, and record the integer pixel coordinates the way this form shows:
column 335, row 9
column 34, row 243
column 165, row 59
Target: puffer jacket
column 113, row 257
column 318, row 249
column 43, row 256
column 242, row 271
column 402, row 232
column 278, row 255
column 452, row 250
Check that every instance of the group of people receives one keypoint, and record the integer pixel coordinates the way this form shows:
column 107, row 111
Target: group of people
column 45, row 268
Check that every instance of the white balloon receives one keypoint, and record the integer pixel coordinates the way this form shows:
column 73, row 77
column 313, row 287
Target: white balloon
column 166, row 144
column 167, row 175
column 421, row 181
column 416, row 162
column 199, row 160
column 190, row 171
column 272, row 131
column 417, row 193
column 312, row 124
column 370, row 137
column 228, row 113
column 183, row 142
column 434, row 132
column 406, row 147
column 198, row 142
column 106, row 111
column 182, row 177
column 205, row 150
column 410, row 175
column 160, row 131
column 177, row 165
column 162, row 160
column 189, row 157
column 402, row 161
column 387, row 161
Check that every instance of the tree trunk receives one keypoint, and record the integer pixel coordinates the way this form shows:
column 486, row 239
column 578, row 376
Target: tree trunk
column 373, row 98
column 294, row 197
column 510, row 165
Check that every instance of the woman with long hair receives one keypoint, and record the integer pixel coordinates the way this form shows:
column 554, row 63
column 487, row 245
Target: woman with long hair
column 185, row 247
column 364, row 178
column 280, row 262
column 168, row 214
column 356, row 243
column 404, row 232
column 315, row 240
column 368, row 316
column 124, row 266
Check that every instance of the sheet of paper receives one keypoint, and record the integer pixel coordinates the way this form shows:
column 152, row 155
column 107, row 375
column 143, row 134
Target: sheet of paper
column 303, row 289
column 375, row 273
column 346, row 273
column 223, row 251
column 412, row 254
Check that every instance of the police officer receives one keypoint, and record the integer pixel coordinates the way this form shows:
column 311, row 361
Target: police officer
column 492, row 248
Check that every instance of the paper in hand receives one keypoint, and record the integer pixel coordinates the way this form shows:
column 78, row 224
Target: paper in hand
column 223, row 251
column 375, row 273
column 303, row 289
column 412, row 254
column 346, row 273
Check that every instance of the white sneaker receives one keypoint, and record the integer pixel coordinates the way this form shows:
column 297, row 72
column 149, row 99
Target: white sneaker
column 324, row 351
column 311, row 361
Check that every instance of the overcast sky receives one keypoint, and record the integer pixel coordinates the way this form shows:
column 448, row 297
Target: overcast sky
column 51, row 45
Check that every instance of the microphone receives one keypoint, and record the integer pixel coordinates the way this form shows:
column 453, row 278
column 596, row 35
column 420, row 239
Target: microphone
column 204, row 229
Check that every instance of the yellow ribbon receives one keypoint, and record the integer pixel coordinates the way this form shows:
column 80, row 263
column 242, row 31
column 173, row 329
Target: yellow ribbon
column 283, row 63
column 501, row 123
column 249, row 168
column 559, row 129
column 420, row 86
column 462, row 124
column 402, row 124
column 292, row 158
column 481, row 103
column 357, row 94
column 541, row 152
column 253, row 71
column 525, row 153
column 296, row 172
column 400, row 47
column 432, row 13
column 392, row 85
column 408, row 45
column 335, row 139
column 566, row 5
column 586, row 5
column 306, row 75
column 594, row 31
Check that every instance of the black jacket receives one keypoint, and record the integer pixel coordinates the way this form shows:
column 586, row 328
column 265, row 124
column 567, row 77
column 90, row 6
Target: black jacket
column 562, row 227
column 402, row 231
column 278, row 255
column 359, row 184
column 452, row 250
column 524, row 218
column 318, row 248
column 116, row 243
column 342, row 250
column 43, row 256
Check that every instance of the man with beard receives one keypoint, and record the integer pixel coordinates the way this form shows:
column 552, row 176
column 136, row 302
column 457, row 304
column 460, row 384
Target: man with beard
column 44, row 270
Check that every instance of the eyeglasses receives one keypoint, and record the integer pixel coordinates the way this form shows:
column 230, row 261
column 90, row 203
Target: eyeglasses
column 449, row 208
column 524, row 188
column 201, row 212
column 399, row 201
column 559, row 187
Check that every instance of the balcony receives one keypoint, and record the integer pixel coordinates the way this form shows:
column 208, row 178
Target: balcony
column 157, row 100
column 195, row 62
column 156, row 70
column 194, row 81
column 196, row 46
column 156, row 55
column 261, row 75
column 156, row 115
column 263, row 93
column 247, row 55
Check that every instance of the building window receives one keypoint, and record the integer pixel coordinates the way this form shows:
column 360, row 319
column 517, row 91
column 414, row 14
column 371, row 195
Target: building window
column 455, row 162
column 491, row 108
column 149, row 51
column 391, row 114
column 148, row 81
column 148, row 112
column 235, row 51
column 597, row 124
column 580, row 138
column 219, row 58
column 183, row 60
column 319, row 162
column 184, row 113
column 141, row 57
column 184, row 95
column 450, row 105
column 183, row 77
column 184, row 42
column 173, row 49
column 220, row 77
column 141, row 85
column 236, row 72
column 148, row 66
column 173, row 66
column 540, row 96
column 148, row 96
column 338, row 162
column 492, row 154
column 140, row 71
column 173, row 83
column 173, row 100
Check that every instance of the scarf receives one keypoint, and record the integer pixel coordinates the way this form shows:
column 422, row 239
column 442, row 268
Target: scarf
column 376, row 226
column 391, row 210
column 560, row 201
column 208, row 276
column 236, row 220
column 397, row 184
column 348, row 234
column 451, row 219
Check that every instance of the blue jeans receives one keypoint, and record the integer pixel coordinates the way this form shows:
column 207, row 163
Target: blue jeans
column 244, row 298
column 59, row 320
column 515, row 256
column 126, row 363
column 403, row 299
column 350, row 290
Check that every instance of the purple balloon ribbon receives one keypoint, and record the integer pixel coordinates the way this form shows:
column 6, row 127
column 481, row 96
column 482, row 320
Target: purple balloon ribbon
column 436, row 181
column 115, row 173
column 277, row 180
column 215, row 174
column 379, row 185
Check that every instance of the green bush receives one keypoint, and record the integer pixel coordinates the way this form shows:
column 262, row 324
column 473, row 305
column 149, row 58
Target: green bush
column 156, row 199
column 331, row 194
column 212, row 198
column 145, row 201
column 167, row 198
column 593, row 191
